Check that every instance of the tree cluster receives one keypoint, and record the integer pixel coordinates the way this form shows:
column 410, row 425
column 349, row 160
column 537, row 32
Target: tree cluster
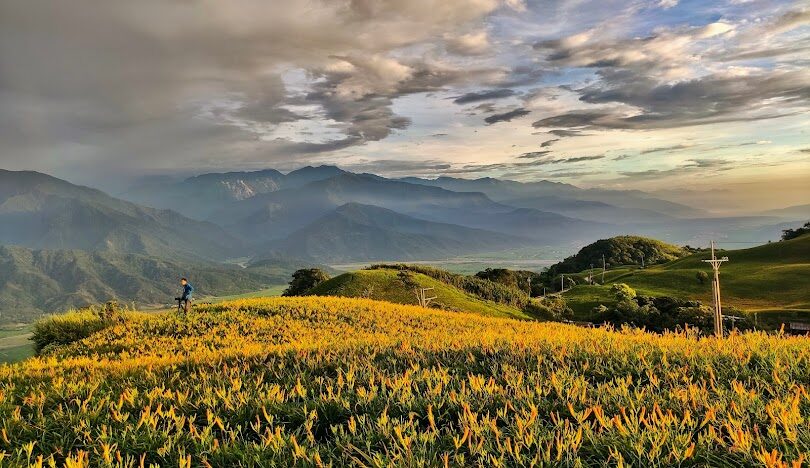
column 789, row 234
column 660, row 313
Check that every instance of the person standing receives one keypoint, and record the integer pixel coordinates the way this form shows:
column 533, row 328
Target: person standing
column 185, row 299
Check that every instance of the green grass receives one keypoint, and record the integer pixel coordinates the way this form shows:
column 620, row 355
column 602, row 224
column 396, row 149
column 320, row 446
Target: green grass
column 267, row 292
column 772, row 279
column 583, row 298
column 14, row 330
column 16, row 353
column 385, row 285
column 15, row 345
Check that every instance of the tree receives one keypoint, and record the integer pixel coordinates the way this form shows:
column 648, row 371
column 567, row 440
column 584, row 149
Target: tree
column 702, row 277
column 623, row 292
column 305, row 279
column 789, row 234
column 550, row 308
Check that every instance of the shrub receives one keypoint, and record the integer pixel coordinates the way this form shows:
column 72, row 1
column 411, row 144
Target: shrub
column 62, row 329
column 305, row 279
column 702, row 277
column 623, row 292
column 550, row 308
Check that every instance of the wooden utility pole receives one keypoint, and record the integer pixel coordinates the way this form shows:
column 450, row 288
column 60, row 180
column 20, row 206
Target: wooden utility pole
column 718, row 307
column 603, row 268
column 421, row 296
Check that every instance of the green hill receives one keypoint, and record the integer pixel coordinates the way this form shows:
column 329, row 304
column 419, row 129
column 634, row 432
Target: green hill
column 619, row 250
column 773, row 279
column 386, row 284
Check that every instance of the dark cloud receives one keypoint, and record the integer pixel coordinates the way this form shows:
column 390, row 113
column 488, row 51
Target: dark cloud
column 543, row 158
column 548, row 143
column 641, row 82
column 507, row 116
column 709, row 99
column 581, row 159
column 662, row 149
column 484, row 96
column 566, row 133
column 535, row 154
column 703, row 166
column 88, row 80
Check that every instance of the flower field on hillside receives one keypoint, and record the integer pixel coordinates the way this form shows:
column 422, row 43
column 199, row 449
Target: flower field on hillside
column 326, row 381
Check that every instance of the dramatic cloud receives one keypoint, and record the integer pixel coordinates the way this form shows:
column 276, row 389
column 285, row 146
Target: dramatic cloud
column 709, row 99
column 469, row 44
column 96, row 90
column 507, row 116
column 484, row 96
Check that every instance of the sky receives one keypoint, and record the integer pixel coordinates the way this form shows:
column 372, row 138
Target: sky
column 675, row 96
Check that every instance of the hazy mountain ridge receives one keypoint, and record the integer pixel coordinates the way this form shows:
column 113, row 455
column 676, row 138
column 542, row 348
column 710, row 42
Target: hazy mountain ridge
column 276, row 215
column 40, row 211
column 506, row 190
column 357, row 232
column 203, row 195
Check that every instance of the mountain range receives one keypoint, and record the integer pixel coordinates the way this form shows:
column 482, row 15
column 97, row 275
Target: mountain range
column 309, row 216
column 39, row 211
column 357, row 232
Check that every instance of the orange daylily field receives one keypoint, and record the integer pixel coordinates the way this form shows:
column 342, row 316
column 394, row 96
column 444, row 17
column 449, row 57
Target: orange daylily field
column 326, row 381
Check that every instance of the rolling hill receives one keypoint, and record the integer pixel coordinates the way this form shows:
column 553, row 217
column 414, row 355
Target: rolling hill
column 619, row 250
column 356, row 232
column 771, row 279
column 42, row 212
column 33, row 282
column 386, row 285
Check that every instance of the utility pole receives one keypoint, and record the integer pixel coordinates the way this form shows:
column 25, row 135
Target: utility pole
column 562, row 283
column 590, row 275
column 421, row 296
column 642, row 260
column 603, row 268
column 718, row 308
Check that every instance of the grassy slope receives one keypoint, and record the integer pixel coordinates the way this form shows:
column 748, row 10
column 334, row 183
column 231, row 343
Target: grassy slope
column 771, row 279
column 347, row 382
column 385, row 285
column 271, row 291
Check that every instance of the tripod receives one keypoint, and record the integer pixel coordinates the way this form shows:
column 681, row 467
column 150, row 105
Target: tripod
column 180, row 306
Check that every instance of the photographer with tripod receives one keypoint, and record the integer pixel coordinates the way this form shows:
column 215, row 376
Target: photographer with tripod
column 184, row 301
